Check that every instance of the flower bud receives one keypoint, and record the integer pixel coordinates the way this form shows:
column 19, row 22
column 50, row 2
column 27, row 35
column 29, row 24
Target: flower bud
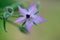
column 8, row 12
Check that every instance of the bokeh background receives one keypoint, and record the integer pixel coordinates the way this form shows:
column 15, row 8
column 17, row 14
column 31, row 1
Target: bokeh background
column 50, row 30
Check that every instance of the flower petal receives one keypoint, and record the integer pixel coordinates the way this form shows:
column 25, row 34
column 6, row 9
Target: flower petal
column 32, row 9
column 22, row 11
column 20, row 20
column 38, row 19
column 28, row 25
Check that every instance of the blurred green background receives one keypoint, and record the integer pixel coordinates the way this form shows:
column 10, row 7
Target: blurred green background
column 50, row 30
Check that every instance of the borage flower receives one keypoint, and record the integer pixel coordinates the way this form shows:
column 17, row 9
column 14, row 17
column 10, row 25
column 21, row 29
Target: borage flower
column 29, row 17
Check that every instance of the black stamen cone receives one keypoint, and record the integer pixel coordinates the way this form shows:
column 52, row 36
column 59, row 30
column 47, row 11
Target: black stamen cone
column 27, row 16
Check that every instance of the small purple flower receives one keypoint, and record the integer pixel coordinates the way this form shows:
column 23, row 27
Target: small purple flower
column 29, row 16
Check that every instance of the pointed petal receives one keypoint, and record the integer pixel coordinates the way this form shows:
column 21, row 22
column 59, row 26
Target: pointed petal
column 20, row 20
column 38, row 19
column 22, row 11
column 28, row 25
column 32, row 9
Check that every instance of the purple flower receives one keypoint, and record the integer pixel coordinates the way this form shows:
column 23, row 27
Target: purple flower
column 29, row 16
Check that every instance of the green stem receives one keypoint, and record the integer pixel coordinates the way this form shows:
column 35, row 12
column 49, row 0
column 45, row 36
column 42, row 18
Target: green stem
column 9, row 22
column 4, row 24
column 12, row 23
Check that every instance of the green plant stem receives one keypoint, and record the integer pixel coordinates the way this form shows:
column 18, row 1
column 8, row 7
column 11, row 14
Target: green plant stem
column 13, row 23
column 4, row 24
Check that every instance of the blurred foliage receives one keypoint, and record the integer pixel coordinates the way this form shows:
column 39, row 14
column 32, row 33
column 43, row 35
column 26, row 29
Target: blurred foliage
column 14, row 4
column 4, row 3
